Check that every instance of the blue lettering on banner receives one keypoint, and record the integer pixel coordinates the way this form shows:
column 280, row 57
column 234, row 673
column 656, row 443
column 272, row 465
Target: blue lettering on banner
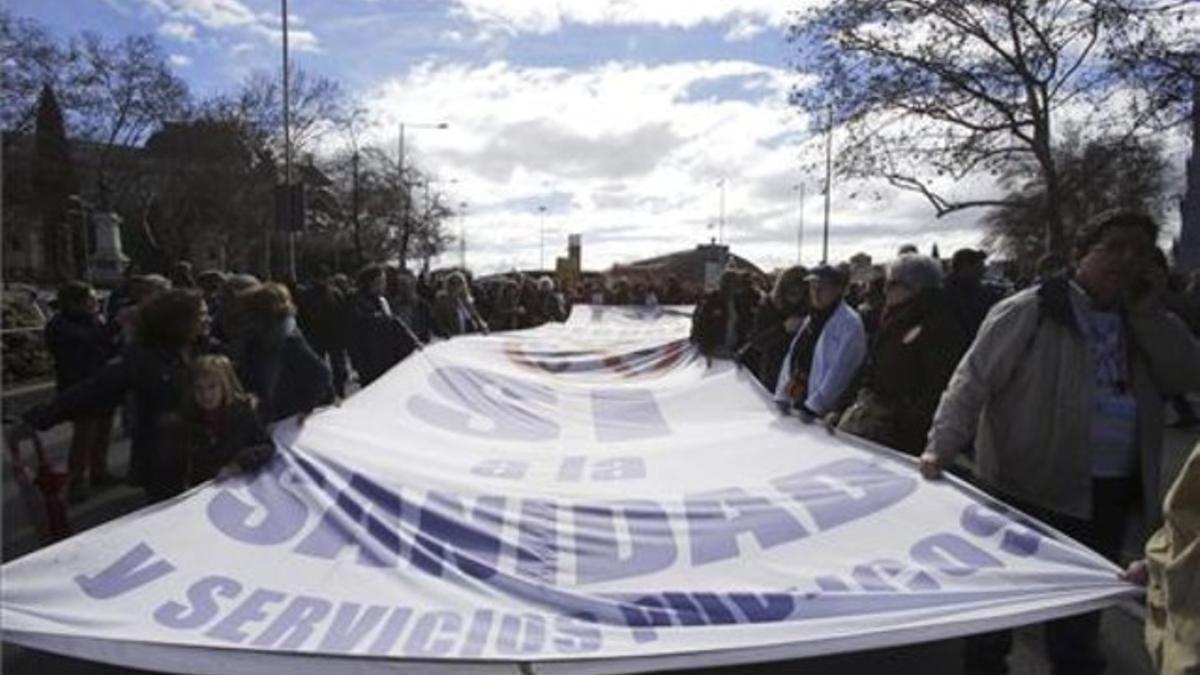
column 202, row 604
column 512, row 409
column 627, row 415
column 463, row 542
column 846, row 490
column 350, row 626
column 569, row 469
column 494, row 406
column 475, row 546
column 269, row 619
column 252, row 610
column 434, row 634
column 598, row 555
column 275, row 516
column 133, row 570
column 716, row 519
column 617, row 540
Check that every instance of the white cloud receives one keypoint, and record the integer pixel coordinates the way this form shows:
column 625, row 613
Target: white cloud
column 179, row 60
column 234, row 15
column 744, row 30
column 534, row 16
column 626, row 155
column 177, row 30
column 216, row 14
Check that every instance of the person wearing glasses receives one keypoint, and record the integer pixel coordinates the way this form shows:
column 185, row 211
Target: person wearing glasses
column 1062, row 392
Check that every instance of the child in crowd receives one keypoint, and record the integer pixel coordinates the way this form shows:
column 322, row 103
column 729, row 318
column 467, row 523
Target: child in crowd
column 221, row 428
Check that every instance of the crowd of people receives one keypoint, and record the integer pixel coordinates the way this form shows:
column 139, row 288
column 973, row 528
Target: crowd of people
column 1057, row 391
column 200, row 365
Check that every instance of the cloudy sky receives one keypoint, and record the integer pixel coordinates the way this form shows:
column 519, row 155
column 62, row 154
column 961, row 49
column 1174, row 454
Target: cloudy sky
column 621, row 117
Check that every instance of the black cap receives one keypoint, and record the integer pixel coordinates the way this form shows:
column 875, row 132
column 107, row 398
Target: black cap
column 827, row 274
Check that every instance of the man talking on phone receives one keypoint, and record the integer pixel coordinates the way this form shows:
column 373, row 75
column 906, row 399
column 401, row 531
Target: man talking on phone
column 1062, row 392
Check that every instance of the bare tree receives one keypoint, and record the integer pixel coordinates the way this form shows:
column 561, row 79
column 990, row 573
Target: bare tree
column 933, row 92
column 1095, row 175
column 32, row 60
column 121, row 92
column 317, row 106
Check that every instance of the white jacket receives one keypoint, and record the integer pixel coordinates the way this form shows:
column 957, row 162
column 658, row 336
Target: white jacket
column 840, row 351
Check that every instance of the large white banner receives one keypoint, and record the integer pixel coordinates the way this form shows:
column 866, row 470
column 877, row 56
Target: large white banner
column 587, row 497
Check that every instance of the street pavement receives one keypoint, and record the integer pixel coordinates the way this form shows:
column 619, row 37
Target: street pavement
column 1122, row 630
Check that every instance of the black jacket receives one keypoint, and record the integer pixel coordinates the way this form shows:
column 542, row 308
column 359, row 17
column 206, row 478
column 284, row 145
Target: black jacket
column 769, row 342
column 377, row 341
column 323, row 316
column 81, row 344
column 160, row 380
column 241, row 436
column 282, row 370
column 710, row 319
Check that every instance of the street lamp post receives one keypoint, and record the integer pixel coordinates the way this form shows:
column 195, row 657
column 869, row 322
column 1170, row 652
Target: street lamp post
column 828, row 186
column 287, row 150
column 462, row 235
column 799, row 187
column 401, row 193
column 721, row 220
column 542, row 236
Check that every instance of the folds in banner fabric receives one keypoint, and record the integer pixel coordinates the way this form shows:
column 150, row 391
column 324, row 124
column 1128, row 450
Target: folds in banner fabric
column 583, row 497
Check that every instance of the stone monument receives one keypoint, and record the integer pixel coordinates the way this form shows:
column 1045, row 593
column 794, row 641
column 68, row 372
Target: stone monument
column 107, row 263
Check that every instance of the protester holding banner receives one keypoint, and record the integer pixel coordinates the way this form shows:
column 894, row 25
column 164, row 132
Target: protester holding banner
column 913, row 354
column 776, row 321
column 1171, row 569
column 827, row 352
column 278, row 365
column 408, row 306
column 220, row 424
column 454, row 310
column 1100, row 334
column 723, row 320
column 375, row 343
column 323, row 315
column 553, row 306
column 156, row 369
column 506, row 308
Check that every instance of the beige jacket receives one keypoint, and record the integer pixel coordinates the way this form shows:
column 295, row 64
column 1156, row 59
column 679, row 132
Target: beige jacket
column 1024, row 391
column 1173, row 598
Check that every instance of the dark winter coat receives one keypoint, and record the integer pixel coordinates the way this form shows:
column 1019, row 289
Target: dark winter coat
column 241, row 439
column 81, row 344
column 769, row 341
column 912, row 357
column 448, row 323
column 282, row 370
column 323, row 316
column 970, row 304
column 377, row 341
column 710, row 319
column 417, row 315
column 160, row 380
